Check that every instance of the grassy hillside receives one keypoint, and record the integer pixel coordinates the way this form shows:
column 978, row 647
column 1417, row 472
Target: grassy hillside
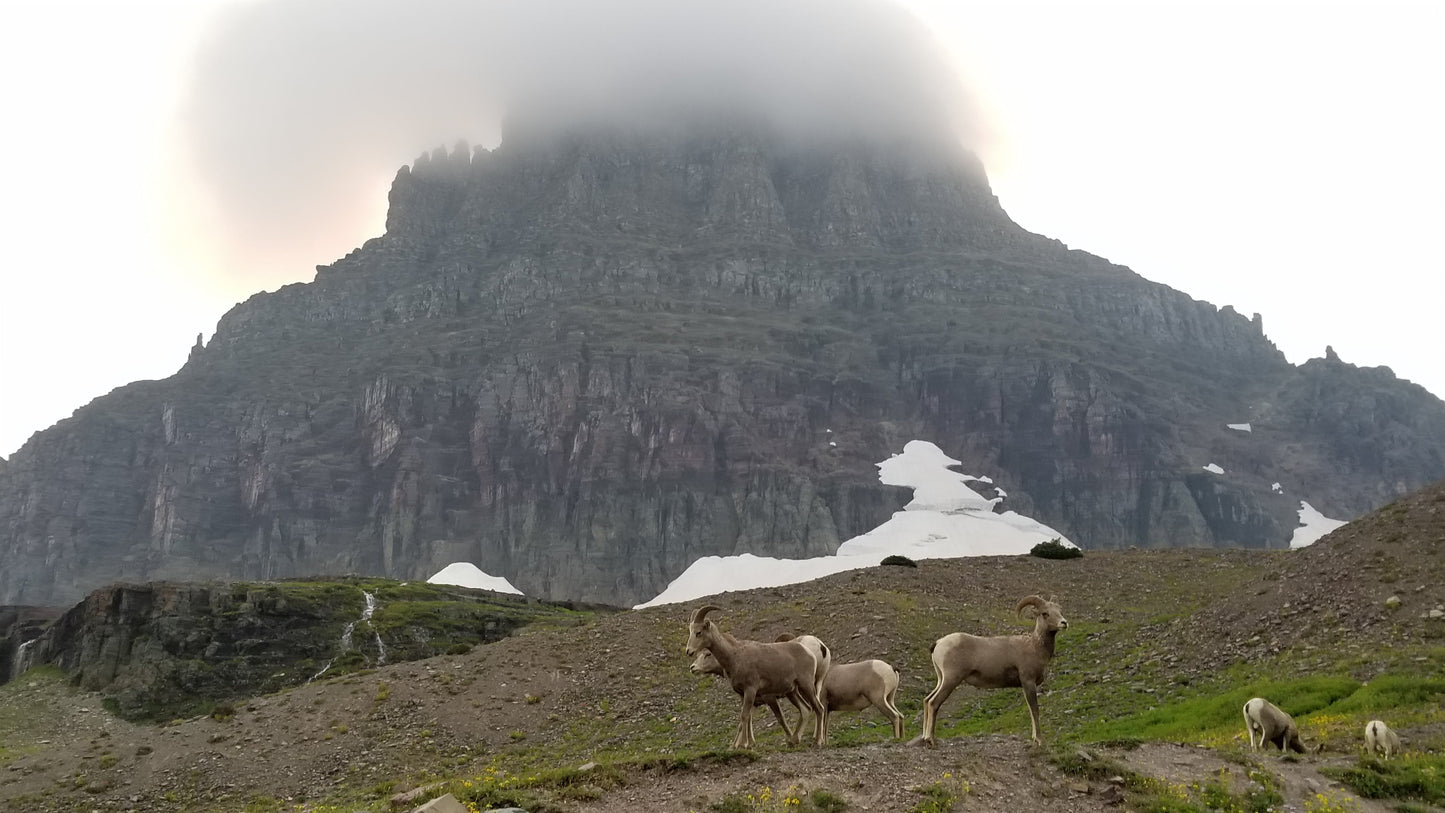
column 1142, row 705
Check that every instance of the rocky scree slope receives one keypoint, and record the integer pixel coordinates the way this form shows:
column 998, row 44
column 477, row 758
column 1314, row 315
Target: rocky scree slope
column 585, row 359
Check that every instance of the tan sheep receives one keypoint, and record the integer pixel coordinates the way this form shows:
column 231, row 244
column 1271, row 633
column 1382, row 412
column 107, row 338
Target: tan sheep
column 995, row 662
column 758, row 671
column 1272, row 725
column 1380, row 739
column 856, row 686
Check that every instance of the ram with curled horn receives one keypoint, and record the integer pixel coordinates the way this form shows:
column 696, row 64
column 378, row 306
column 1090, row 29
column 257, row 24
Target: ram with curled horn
column 759, row 672
column 995, row 662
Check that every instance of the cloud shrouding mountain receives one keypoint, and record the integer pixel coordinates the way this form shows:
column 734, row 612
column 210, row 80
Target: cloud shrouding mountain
column 298, row 112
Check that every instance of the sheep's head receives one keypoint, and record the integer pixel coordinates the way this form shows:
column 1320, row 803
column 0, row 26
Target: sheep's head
column 1049, row 618
column 706, row 664
column 700, row 630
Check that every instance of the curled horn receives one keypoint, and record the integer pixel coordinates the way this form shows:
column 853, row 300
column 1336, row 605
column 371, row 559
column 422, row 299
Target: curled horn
column 701, row 613
column 1031, row 601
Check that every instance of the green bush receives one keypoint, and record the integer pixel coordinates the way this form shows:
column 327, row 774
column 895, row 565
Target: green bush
column 1055, row 549
column 901, row 561
column 1414, row 776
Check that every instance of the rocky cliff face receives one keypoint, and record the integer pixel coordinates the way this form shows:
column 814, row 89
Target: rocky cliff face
column 584, row 360
column 161, row 650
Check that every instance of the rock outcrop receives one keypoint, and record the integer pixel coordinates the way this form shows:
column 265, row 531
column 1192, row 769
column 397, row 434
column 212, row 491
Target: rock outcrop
column 165, row 649
column 584, row 360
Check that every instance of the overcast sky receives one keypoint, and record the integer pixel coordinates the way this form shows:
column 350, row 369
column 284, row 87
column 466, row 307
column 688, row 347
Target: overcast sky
column 164, row 160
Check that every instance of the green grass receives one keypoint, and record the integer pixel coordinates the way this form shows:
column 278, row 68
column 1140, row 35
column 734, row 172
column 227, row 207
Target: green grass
column 1419, row 777
column 1215, row 718
column 22, row 722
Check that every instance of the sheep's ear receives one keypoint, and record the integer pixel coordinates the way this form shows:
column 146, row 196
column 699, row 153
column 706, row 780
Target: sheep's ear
column 701, row 613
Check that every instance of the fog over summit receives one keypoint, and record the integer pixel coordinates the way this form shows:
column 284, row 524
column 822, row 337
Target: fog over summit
column 299, row 111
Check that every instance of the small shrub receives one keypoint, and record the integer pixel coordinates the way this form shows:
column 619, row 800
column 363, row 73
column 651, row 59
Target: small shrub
column 1055, row 549
column 900, row 561
column 825, row 802
column 1420, row 777
column 1322, row 803
column 941, row 796
column 792, row 800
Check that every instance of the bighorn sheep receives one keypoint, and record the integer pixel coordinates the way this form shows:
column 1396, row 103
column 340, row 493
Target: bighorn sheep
column 706, row 664
column 856, row 686
column 996, row 662
column 1272, row 725
column 758, row 671
column 1380, row 739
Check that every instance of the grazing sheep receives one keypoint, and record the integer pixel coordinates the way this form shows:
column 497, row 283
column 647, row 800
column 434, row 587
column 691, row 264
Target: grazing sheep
column 856, row 686
column 996, row 662
column 706, row 664
column 1272, row 725
column 758, row 671
column 1379, row 738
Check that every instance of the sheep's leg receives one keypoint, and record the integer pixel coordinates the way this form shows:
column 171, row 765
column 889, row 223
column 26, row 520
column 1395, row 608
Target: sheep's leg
column 889, row 708
column 778, row 713
column 820, row 713
column 1249, row 729
column 932, row 704
column 1031, row 694
column 745, row 724
column 794, row 698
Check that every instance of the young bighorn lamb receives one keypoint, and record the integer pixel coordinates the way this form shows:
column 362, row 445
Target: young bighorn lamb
column 758, row 671
column 1380, row 739
column 856, row 686
column 1272, row 725
column 996, row 662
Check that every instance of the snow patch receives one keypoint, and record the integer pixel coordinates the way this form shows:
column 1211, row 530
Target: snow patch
column 946, row 519
column 1313, row 525
column 1214, row 468
column 1240, row 427
column 1276, row 488
column 466, row 574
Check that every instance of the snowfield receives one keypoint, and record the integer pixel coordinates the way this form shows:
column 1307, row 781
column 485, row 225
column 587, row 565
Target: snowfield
column 946, row 519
